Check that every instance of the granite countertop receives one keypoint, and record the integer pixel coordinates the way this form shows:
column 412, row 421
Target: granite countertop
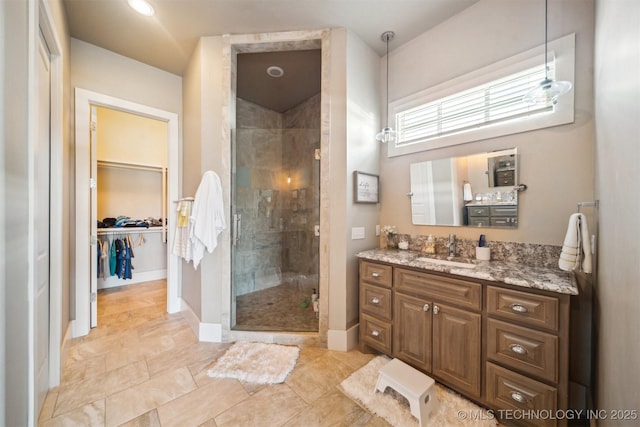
column 547, row 279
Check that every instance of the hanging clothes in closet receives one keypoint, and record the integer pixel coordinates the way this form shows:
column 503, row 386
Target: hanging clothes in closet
column 115, row 257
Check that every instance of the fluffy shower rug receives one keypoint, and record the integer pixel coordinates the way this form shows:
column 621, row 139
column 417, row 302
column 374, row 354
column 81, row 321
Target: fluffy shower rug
column 454, row 410
column 256, row 363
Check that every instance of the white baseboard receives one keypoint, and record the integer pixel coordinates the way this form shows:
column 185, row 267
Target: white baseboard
column 342, row 340
column 145, row 276
column 210, row 332
column 206, row 332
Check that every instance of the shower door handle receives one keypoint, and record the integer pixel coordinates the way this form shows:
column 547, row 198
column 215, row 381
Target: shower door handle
column 237, row 227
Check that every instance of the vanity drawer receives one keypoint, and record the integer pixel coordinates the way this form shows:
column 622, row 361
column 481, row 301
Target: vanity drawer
column 504, row 210
column 376, row 273
column 375, row 333
column 480, row 221
column 532, row 309
column 527, row 350
column 509, row 390
column 478, row 211
column 503, row 221
column 504, row 178
column 439, row 288
column 376, row 301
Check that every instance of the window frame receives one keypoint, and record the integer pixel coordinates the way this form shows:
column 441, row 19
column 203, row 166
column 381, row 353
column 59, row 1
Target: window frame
column 562, row 50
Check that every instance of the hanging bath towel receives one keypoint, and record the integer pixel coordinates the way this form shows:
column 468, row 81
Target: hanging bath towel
column 207, row 217
column 576, row 249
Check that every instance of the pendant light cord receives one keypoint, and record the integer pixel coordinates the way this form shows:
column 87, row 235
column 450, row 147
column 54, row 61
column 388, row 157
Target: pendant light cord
column 546, row 25
column 386, row 115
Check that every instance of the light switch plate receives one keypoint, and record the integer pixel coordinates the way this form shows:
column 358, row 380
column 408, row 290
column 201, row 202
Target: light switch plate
column 357, row 233
column 377, row 229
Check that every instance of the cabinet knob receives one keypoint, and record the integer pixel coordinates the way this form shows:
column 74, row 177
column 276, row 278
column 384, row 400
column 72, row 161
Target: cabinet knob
column 375, row 333
column 436, row 309
column 518, row 397
column 426, row 307
column 375, row 300
column 374, row 274
column 519, row 308
column 518, row 349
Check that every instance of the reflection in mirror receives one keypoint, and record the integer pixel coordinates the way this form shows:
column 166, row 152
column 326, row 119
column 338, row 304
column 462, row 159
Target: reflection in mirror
column 474, row 190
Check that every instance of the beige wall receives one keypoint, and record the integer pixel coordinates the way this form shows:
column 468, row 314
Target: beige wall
column 363, row 151
column 130, row 138
column 191, row 152
column 617, row 89
column 556, row 163
column 204, row 150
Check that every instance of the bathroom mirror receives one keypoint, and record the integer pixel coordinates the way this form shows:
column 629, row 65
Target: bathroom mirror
column 477, row 190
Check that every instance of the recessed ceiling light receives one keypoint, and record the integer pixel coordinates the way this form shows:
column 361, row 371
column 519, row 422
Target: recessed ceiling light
column 275, row 71
column 142, row 7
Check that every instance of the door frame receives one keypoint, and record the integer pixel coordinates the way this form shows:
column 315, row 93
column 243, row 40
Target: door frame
column 43, row 22
column 84, row 99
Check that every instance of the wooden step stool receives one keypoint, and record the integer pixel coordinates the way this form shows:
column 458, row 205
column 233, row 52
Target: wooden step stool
column 415, row 386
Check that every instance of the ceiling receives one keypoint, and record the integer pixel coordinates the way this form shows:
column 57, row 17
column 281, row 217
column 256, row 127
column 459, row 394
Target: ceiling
column 167, row 40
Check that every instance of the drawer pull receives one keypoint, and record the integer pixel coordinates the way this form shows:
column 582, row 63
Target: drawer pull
column 518, row 397
column 374, row 274
column 375, row 333
column 425, row 307
column 375, row 300
column 519, row 308
column 518, row 349
column 436, row 309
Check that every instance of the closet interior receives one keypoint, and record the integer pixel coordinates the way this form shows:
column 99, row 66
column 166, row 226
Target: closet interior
column 131, row 198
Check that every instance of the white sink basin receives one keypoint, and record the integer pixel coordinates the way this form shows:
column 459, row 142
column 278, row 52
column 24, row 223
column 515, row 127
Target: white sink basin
column 446, row 262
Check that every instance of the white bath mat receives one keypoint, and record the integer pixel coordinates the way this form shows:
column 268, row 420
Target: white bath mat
column 454, row 410
column 256, row 363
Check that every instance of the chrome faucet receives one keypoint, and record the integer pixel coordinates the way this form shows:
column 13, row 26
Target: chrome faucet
column 452, row 245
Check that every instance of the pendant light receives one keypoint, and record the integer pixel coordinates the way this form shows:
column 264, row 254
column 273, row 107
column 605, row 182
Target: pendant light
column 387, row 134
column 548, row 90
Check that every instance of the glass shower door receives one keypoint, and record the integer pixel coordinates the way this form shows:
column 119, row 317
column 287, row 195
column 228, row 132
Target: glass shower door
column 275, row 209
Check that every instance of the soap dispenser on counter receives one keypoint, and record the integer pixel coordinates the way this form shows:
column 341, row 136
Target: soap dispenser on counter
column 483, row 253
column 429, row 245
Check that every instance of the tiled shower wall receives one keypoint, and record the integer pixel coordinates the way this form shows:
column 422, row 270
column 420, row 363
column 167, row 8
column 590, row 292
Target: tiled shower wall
column 277, row 242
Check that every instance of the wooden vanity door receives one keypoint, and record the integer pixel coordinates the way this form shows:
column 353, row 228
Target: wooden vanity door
column 412, row 331
column 457, row 348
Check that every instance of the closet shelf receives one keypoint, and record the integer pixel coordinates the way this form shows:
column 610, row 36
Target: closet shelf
column 130, row 230
column 125, row 165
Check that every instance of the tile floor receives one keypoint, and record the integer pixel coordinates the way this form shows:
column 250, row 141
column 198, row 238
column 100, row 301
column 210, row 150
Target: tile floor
column 285, row 307
column 143, row 367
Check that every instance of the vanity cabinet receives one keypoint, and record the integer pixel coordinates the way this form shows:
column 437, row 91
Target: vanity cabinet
column 492, row 215
column 431, row 333
column 499, row 346
column 527, row 337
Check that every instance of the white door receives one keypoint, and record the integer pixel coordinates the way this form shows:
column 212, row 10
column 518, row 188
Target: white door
column 42, row 210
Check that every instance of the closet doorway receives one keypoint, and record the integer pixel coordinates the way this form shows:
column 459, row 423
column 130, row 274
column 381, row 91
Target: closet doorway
column 127, row 173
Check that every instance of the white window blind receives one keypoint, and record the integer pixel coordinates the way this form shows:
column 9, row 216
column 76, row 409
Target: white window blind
column 485, row 105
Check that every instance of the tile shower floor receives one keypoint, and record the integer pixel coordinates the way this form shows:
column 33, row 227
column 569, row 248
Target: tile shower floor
column 286, row 307
column 144, row 367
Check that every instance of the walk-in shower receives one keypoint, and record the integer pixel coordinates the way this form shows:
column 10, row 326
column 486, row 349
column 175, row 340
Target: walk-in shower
column 276, row 192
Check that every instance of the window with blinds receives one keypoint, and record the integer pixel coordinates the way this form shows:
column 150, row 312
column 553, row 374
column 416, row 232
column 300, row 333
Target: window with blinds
column 484, row 103
column 481, row 106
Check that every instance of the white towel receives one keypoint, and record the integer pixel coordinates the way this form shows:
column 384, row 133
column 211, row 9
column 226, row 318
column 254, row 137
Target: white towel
column 207, row 217
column 576, row 249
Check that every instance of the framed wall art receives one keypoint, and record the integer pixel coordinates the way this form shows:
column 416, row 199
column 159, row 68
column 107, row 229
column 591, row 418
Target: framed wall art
column 366, row 187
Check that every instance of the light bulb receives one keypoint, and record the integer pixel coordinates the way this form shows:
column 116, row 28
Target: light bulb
column 386, row 135
column 547, row 92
